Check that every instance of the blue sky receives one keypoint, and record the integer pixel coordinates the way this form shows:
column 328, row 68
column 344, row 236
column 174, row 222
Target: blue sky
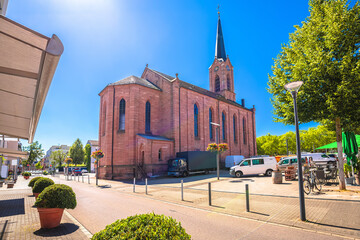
column 108, row 40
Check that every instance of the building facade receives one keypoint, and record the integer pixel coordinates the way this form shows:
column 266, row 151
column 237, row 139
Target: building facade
column 145, row 121
column 47, row 159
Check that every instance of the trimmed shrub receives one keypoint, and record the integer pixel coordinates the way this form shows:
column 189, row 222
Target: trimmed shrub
column 145, row 226
column 26, row 174
column 32, row 181
column 56, row 196
column 41, row 184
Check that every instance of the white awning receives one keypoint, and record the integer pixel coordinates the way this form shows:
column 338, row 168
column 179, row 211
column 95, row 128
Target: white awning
column 28, row 61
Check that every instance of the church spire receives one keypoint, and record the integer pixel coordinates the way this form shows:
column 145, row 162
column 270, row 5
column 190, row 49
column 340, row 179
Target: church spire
column 220, row 46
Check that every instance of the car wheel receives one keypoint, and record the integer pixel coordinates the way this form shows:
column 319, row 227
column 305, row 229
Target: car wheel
column 268, row 172
column 238, row 174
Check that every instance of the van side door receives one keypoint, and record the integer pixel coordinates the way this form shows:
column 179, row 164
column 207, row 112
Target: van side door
column 257, row 166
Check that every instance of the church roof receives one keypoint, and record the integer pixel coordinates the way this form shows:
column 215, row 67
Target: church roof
column 136, row 80
column 170, row 78
column 220, row 45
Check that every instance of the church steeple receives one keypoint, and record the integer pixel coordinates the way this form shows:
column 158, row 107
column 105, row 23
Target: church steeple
column 220, row 46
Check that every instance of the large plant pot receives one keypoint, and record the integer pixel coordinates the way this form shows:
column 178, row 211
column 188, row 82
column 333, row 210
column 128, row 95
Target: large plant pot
column 36, row 195
column 10, row 184
column 50, row 217
column 277, row 177
column 1, row 184
column 26, row 177
column 357, row 179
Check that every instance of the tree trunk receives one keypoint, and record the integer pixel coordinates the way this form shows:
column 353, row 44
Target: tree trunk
column 340, row 154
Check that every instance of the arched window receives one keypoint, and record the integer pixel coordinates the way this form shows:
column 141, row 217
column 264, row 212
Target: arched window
column 228, row 82
column 234, row 128
column 217, row 83
column 147, row 117
column 104, row 119
column 223, row 127
column 196, row 121
column 244, row 130
column 122, row 115
column 159, row 155
column 210, row 125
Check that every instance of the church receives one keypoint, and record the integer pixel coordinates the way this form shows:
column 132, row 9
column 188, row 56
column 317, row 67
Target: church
column 145, row 121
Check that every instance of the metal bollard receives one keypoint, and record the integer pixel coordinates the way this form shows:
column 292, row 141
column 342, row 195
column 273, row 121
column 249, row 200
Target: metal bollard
column 182, row 190
column 209, row 194
column 134, row 185
column 146, row 186
column 78, row 178
column 88, row 179
column 247, row 197
column 82, row 176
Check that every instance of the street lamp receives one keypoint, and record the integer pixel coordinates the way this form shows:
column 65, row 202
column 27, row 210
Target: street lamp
column 293, row 88
column 217, row 127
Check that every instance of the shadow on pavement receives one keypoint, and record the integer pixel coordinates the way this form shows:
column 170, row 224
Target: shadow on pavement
column 61, row 230
column 12, row 207
column 335, row 226
column 104, row 186
column 259, row 213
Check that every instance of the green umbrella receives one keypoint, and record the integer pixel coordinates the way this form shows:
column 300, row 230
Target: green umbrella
column 350, row 147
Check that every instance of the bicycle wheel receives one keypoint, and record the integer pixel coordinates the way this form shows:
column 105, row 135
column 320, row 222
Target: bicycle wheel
column 307, row 186
column 317, row 184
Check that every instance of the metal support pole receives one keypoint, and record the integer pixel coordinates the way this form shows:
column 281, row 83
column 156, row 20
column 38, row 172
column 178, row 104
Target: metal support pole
column 209, row 194
column 134, row 185
column 97, row 171
column 182, row 190
column 82, row 176
column 217, row 155
column 89, row 179
column 298, row 153
column 146, row 186
column 287, row 147
column 247, row 197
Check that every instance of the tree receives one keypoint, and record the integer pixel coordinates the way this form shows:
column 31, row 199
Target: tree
column 77, row 152
column 324, row 54
column 58, row 157
column 35, row 152
column 87, row 158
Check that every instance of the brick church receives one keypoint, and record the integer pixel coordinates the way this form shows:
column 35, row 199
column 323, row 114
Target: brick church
column 145, row 121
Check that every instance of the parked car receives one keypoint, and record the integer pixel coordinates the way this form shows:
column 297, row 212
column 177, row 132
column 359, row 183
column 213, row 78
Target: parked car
column 257, row 165
column 231, row 161
column 84, row 171
column 291, row 161
column 76, row 172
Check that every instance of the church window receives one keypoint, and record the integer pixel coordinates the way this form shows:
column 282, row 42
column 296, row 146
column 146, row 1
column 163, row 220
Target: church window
column 223, row 127
column 159, row 155
column 244, row 130
column 228, row 82
column 147, row 117
column 210, row 125
column 235, row 129
column 122, row 115
column 217, row 83
column 196, row 121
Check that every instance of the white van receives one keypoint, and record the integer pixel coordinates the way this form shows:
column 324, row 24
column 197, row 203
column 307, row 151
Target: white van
column 255, row 165
column 319, row 158
column 231, row 161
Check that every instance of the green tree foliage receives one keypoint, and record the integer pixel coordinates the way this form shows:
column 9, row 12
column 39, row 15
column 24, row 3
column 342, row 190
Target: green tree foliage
column 310, row 139
column 77, row 152
column 87, row 158
column 35, row 153
column 58, row 157
column 324, row 53
column 38, row 165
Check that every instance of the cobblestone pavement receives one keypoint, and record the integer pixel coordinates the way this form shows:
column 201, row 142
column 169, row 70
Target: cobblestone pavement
column 19, row 218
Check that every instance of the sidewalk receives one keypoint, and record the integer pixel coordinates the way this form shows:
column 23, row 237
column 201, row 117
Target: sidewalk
column 19, row 219
column 334, row 216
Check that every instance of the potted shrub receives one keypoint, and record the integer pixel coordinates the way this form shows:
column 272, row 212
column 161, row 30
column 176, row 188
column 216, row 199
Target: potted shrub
column 40, row 185
column 26, row 175
column 51, row 204
column 33, row 181
column 45, row 172
column 145, row 226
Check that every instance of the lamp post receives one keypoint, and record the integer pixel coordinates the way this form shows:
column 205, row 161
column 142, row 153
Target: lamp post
column 217, row 128
column 293, row 88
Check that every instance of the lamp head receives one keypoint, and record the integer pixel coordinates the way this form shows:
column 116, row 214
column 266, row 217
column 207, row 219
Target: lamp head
column 293, row 86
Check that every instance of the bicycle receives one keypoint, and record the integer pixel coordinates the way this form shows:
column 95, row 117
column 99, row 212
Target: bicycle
column 311, row 182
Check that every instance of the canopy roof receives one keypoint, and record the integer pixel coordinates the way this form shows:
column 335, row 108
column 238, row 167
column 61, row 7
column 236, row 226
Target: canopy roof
column 28, row 61
column 334, row 144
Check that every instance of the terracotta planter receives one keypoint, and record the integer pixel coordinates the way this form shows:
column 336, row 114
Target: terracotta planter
column 26, row 177
column 277, row 177
column 36, row 195
column 50, row 217
column 1, row 184
column 10, row 184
